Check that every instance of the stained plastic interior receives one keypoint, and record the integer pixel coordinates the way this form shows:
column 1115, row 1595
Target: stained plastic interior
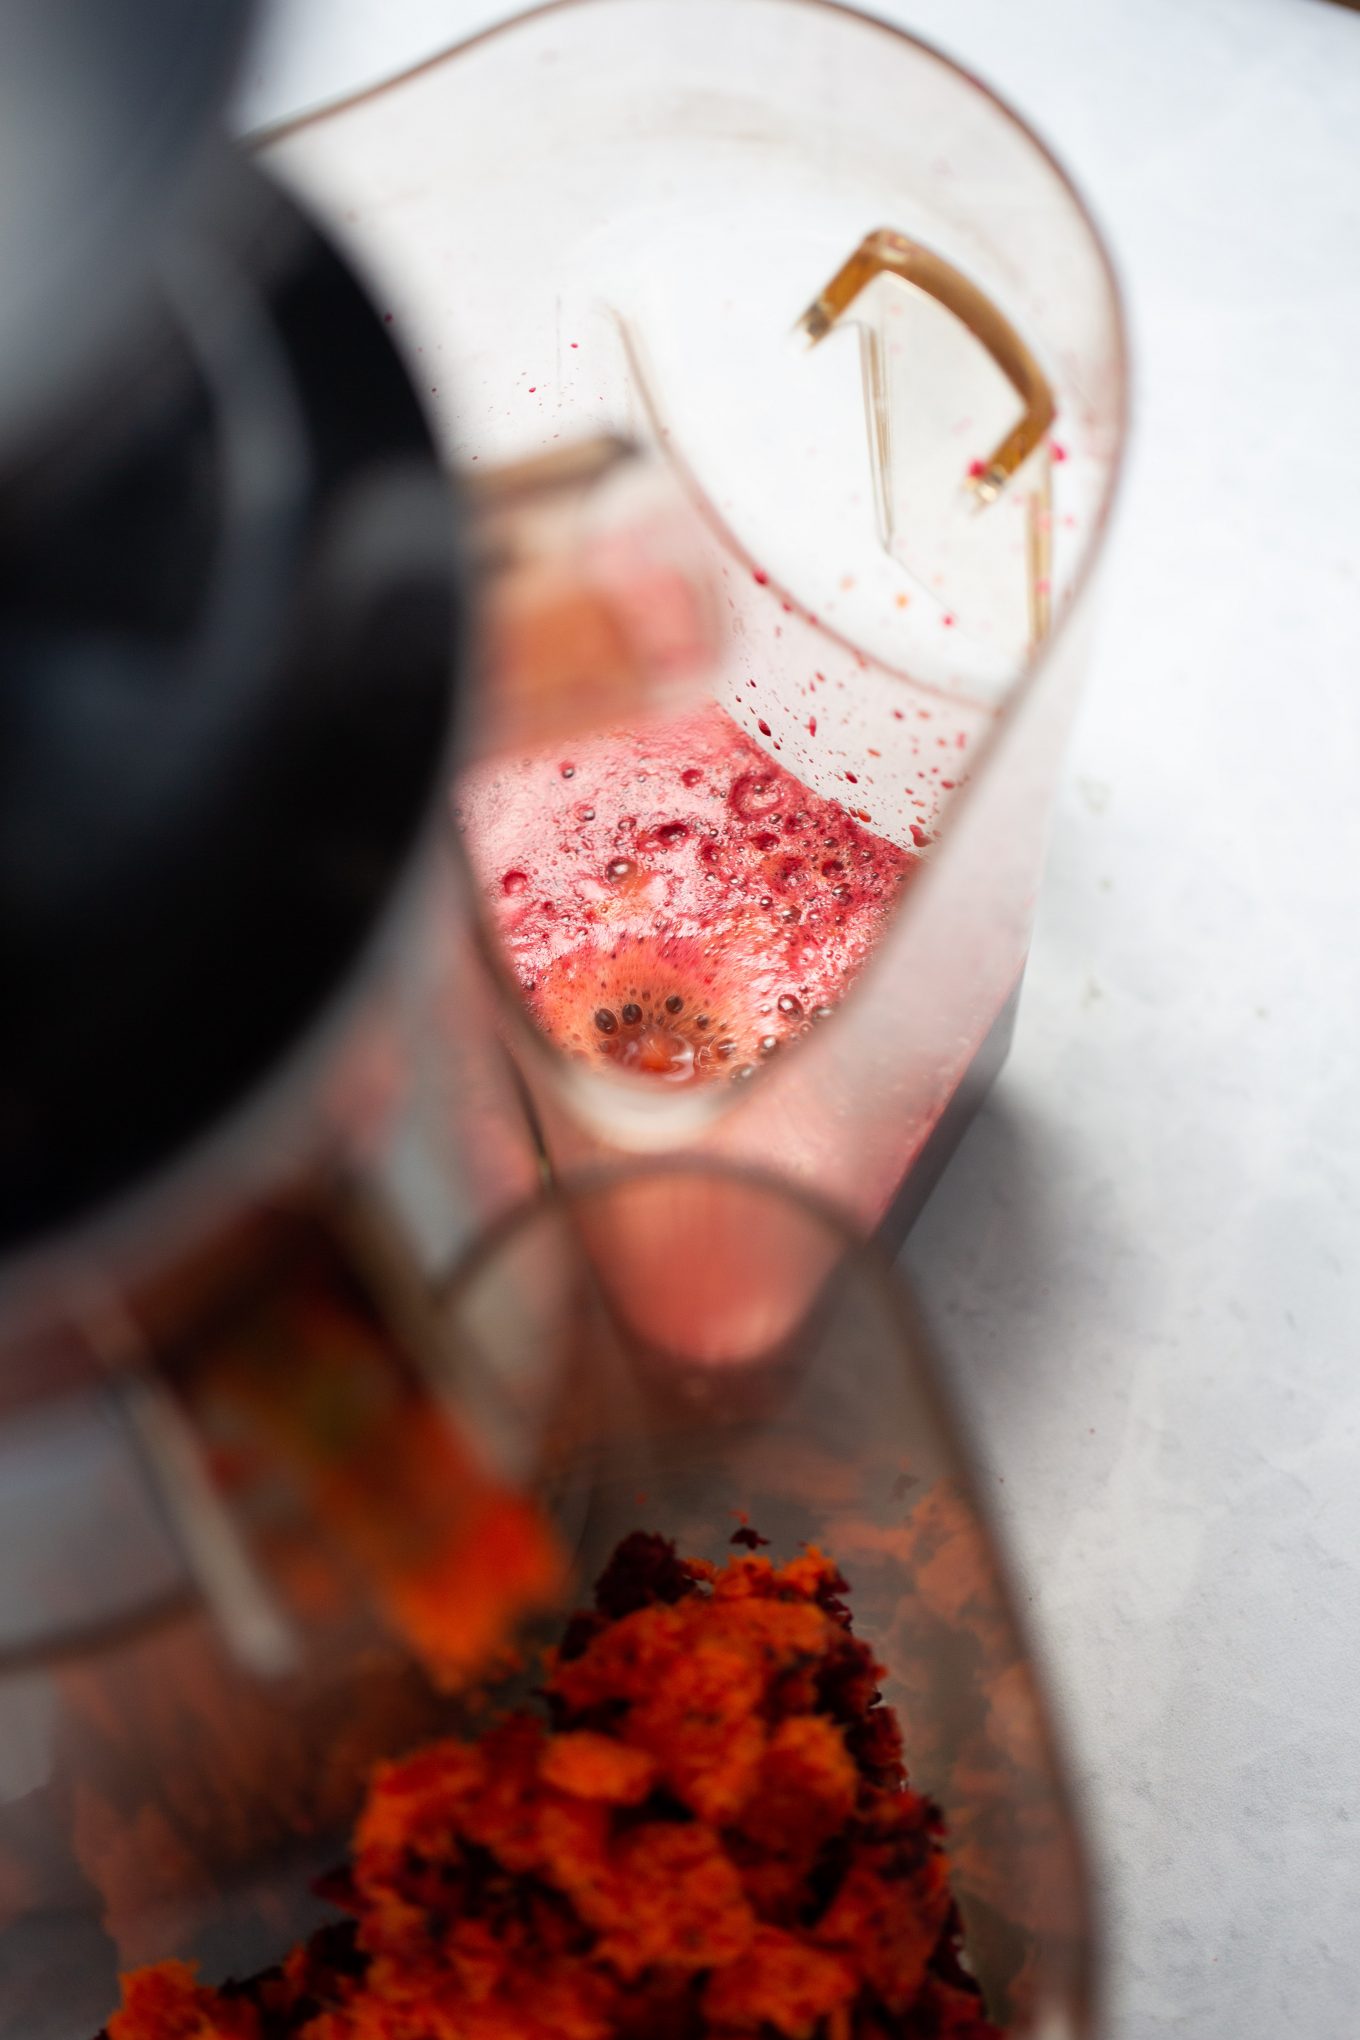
column 610, row 216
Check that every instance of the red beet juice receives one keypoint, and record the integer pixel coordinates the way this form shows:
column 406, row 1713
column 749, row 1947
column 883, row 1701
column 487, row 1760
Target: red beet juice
column 671, row 900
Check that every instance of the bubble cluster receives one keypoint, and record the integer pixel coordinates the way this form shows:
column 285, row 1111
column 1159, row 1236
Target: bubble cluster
column 685, row 907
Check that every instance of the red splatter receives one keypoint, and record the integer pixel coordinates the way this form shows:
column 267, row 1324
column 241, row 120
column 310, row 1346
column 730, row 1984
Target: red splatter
column 812, row 725
column 948, row 619
column 759, row 574
column 1059, row 452
column 853, row 777
column 763, row 727
column 919, row 836
column 976, row 469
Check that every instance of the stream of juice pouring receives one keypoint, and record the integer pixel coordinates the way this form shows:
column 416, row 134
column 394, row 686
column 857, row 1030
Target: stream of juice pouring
column 671, row 899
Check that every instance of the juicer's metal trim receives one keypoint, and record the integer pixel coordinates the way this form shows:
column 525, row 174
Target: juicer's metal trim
column 221, row 1578
column 248, row 1616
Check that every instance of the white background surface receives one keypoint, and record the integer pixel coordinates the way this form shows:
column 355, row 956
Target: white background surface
column 1145, row 1260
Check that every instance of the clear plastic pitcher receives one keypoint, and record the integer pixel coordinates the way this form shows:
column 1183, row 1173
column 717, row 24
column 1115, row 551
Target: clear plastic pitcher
column 413, row 1496
column 788, row 927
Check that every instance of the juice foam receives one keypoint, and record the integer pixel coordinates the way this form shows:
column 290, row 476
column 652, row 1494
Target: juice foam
column 671, row 900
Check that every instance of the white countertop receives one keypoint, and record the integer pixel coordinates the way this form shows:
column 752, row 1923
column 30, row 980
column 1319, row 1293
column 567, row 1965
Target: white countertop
column 1145, row 1261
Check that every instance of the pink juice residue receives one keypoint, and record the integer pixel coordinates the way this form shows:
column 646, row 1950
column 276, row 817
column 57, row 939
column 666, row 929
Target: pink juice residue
column 671, row 900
